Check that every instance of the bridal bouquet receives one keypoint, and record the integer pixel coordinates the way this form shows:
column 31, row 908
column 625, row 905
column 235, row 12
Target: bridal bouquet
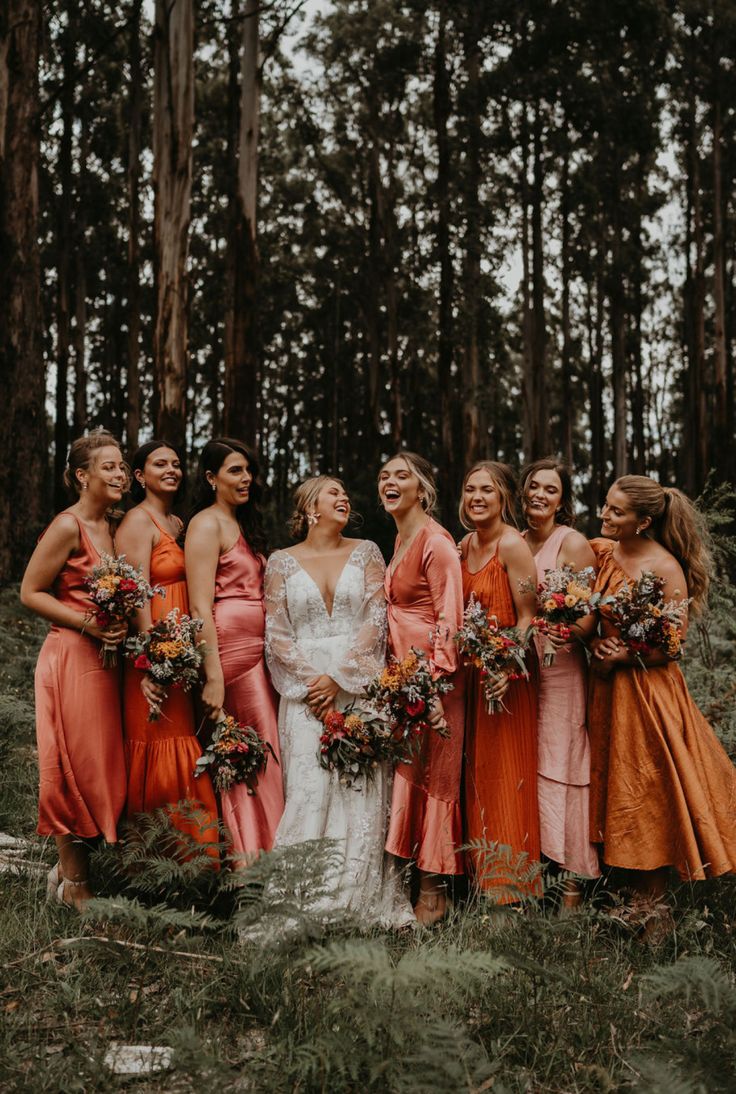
column 563, row 597
column 117, row 591
column 354, row 742
column 496, row 651
column 170, row 652
column 404, row 693
column 236, row 754
column 646, row 620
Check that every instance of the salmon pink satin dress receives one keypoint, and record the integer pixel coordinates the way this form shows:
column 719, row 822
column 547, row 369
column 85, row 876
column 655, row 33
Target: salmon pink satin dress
column 78, row 724
column 500, row 784
column 240, row 620
column 425, row 610
column 662, row 789
column 160, row 756
column 563, row 783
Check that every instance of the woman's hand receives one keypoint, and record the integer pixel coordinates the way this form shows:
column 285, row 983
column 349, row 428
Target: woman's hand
column 153, row 693
column 500, row 686
column 437, row 718
column 112, row 634
column 602, row 648
column 557, row 636
column 213, row 697
column 321, row 692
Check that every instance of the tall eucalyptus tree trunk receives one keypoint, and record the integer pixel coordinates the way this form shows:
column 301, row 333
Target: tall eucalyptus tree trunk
column 135, row 115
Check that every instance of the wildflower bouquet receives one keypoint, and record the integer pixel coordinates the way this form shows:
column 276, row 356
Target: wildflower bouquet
column 236, row 754
column 117, row 591
column 354, row 742
column 563, row 597
column 404, row 693
column 646, row 621
column 170, row 652
column 496, row 651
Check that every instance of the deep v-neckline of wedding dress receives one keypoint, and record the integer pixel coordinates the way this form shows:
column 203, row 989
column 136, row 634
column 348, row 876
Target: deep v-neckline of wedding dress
column 304, row 570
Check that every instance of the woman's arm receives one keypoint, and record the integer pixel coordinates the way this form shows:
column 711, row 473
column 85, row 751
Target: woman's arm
column 136, row 538
column 514, row 554
column 577, row 552
column 202, row 554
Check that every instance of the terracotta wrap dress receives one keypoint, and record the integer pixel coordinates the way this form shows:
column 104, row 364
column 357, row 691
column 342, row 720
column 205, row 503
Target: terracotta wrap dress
column 240, row 621
column 424, row 596
column 78, row 724
column 160, row 756
column 500, row 784
column 663, row 790
column 563, row 784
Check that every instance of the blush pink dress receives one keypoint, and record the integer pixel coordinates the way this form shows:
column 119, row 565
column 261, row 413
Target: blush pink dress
column 425, row 595
column 563, row 783
column 78, row 720
column 249, row 695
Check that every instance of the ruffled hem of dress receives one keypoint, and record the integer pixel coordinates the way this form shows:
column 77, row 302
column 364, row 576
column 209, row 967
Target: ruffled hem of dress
column 424, row 829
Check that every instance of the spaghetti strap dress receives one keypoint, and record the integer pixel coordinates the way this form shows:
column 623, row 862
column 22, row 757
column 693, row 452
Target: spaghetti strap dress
column 160, row 756
column 78, row 722
column 662, row 789
column 500, row 779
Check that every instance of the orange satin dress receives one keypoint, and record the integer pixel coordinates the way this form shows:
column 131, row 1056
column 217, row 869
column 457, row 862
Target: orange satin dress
column 240, row 621
column 500, row 782
column 78, row 725
column 662, row 790
column 160, row 756
column 424, row 595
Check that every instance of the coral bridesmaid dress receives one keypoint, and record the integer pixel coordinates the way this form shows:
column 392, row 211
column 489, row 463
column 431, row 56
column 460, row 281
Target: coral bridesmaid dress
column 78, row 724
column 249, row 695
column 424, row 593
column 160, row 756
column 662, row 789
column 500, row 785
column 563, row 784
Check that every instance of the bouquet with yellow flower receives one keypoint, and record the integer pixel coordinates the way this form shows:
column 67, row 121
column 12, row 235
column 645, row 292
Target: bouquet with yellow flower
column 354, row 742
column 170, row 652
column 117, row 591
column 494, row 650
column 646, row 620
column 404, row 693
column 235, row 754
column 563, row 597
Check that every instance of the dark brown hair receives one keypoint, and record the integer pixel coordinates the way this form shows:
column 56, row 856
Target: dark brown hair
column 566, row 512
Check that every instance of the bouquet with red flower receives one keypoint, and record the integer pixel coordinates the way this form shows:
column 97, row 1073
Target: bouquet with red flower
column 235, row 754
column 354, row 742
column 563, row 597
column 170, row 652
column 404, row 693
column 117, row 591
column 646, row 621
column 496, row 651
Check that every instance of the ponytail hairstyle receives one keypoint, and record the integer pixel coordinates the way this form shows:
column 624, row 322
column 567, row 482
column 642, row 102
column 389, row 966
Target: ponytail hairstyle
column 138, row 463
column 82, row 455
column 423, row 470
column 566, row 512
column 677, row 525
column 504, row 480
column 305, row 499
column 249, row 515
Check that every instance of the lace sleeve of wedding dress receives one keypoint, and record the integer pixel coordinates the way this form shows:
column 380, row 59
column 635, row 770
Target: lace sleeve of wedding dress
column 290, row 671
column 366, row 653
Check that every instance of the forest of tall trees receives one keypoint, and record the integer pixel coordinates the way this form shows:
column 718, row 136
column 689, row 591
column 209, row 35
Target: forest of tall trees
column 342, row 226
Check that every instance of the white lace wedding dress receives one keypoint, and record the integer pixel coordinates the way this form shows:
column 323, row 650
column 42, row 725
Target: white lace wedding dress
column 303, row 641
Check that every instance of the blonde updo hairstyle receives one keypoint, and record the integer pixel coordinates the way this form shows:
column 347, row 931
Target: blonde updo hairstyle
column 677, row 525
column 504, row 480
column 423, row 470
column 83, row 454
column 305, row 500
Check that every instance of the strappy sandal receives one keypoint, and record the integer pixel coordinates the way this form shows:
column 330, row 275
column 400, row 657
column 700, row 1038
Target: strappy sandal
column 60, row 892
column 53, row 877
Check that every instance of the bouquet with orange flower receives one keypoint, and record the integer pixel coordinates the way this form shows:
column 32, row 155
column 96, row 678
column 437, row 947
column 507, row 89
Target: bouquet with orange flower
column 354, row 742
column 170, row 652
column 235, row 754
column 646, row 620
column 563, row 597
column 117, row 591
column 494, row 650
column 404, row 693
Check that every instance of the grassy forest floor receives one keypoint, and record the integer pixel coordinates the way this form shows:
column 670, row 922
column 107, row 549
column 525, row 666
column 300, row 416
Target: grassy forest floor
column 491, row 1000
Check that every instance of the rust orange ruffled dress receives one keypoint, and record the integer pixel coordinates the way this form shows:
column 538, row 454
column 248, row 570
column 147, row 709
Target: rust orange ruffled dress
column 160, row 756
column 500, row 784
column 424, row 593
column 663, row 791
column 240, row 620
column 78, row 724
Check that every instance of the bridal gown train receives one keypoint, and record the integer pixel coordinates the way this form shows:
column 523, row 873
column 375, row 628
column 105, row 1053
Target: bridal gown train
column 304, row 640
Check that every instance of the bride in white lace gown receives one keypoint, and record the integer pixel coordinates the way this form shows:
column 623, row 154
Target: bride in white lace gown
column 325, row 639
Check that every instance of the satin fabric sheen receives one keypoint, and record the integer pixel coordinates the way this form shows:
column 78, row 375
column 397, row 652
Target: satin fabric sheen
column 249, row 695
column 663, row 790
column 500, row 784
column 78, row 725
column 160, row 756
column 424, row 597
